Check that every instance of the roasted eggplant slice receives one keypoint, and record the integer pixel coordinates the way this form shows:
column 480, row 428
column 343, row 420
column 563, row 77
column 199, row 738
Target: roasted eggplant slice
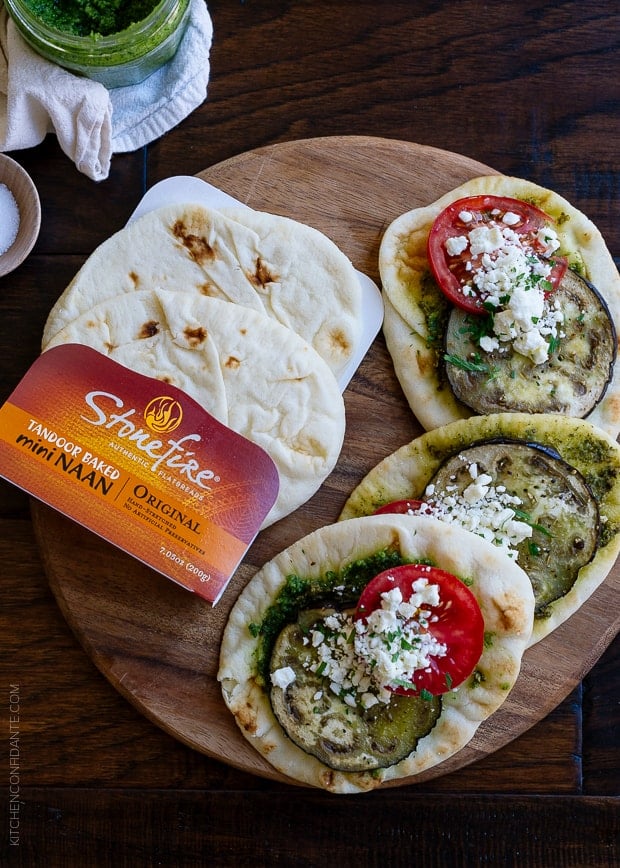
column 343, row 737
column 555, row 501
column 573, row 379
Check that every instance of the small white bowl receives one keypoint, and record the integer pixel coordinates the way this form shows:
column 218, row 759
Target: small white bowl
column 26, row 196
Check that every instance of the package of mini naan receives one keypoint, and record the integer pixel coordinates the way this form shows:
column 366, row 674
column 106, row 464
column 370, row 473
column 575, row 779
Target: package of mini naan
column 252, row 374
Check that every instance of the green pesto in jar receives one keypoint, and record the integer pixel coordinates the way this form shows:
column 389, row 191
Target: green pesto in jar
column 91, row 17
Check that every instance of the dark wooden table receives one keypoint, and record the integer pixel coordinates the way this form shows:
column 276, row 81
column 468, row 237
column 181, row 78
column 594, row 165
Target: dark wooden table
column 530, row 89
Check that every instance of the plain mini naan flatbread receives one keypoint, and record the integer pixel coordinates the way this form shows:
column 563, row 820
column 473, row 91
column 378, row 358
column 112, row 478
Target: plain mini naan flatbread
column 405, row 474
column 503, row 592
column 289, row 271
column 410, row 295
column 251, row 373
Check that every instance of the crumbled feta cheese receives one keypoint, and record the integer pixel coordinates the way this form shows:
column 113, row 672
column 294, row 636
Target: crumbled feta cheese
column 547, row 237
column 488, row 343
column 510, row 218
column 364, row 660
column 283, row 677
column 526, row 305
column 485, row 239
column 456, row 245
column 478, row 489
column 483, row 508
column 317, row 638
column 533, row 345
column 511, row 277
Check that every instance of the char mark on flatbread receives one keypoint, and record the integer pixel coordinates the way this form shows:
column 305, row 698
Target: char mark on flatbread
column 286, row 270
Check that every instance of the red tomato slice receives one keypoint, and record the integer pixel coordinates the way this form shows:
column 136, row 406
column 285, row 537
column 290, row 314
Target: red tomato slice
column 451, row 272
column 399, row 506
column 459, row 624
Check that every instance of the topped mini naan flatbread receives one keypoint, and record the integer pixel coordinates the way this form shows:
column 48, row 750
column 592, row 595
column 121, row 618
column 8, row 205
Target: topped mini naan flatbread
column 564, row 474
column 439, row 378
column 328, row 568
column 284, row 269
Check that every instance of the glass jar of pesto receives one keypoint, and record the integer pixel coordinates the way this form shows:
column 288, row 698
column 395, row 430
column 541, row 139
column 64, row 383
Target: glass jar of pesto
column 111, row 42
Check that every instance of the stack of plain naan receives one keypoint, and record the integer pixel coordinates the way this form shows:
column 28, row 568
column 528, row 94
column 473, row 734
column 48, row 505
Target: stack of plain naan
column 251, row 314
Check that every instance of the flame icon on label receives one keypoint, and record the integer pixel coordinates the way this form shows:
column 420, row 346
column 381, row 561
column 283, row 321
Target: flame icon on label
column 163, row 414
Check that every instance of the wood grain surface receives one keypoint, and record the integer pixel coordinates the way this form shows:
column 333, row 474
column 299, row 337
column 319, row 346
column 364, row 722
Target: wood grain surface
column 156, row 643
column 529, row 89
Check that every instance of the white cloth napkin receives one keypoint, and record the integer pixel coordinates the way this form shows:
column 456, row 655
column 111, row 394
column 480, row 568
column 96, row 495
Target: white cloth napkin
column 90, row 121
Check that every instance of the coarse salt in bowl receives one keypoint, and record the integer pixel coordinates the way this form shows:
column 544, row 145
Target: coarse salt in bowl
column 9, row 219
column 20, row 214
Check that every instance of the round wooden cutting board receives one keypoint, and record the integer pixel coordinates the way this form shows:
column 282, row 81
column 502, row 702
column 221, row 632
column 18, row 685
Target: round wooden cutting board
column 157, row 643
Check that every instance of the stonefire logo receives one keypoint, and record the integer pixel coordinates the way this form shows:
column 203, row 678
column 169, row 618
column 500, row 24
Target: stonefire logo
column 163, row 414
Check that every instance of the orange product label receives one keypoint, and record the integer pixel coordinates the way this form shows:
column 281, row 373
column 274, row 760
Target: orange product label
column 138, row 462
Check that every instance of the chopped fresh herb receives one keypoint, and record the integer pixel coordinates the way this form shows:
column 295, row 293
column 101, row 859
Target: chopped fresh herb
column 524, row 516
column 474, row 365
column 478, row 327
